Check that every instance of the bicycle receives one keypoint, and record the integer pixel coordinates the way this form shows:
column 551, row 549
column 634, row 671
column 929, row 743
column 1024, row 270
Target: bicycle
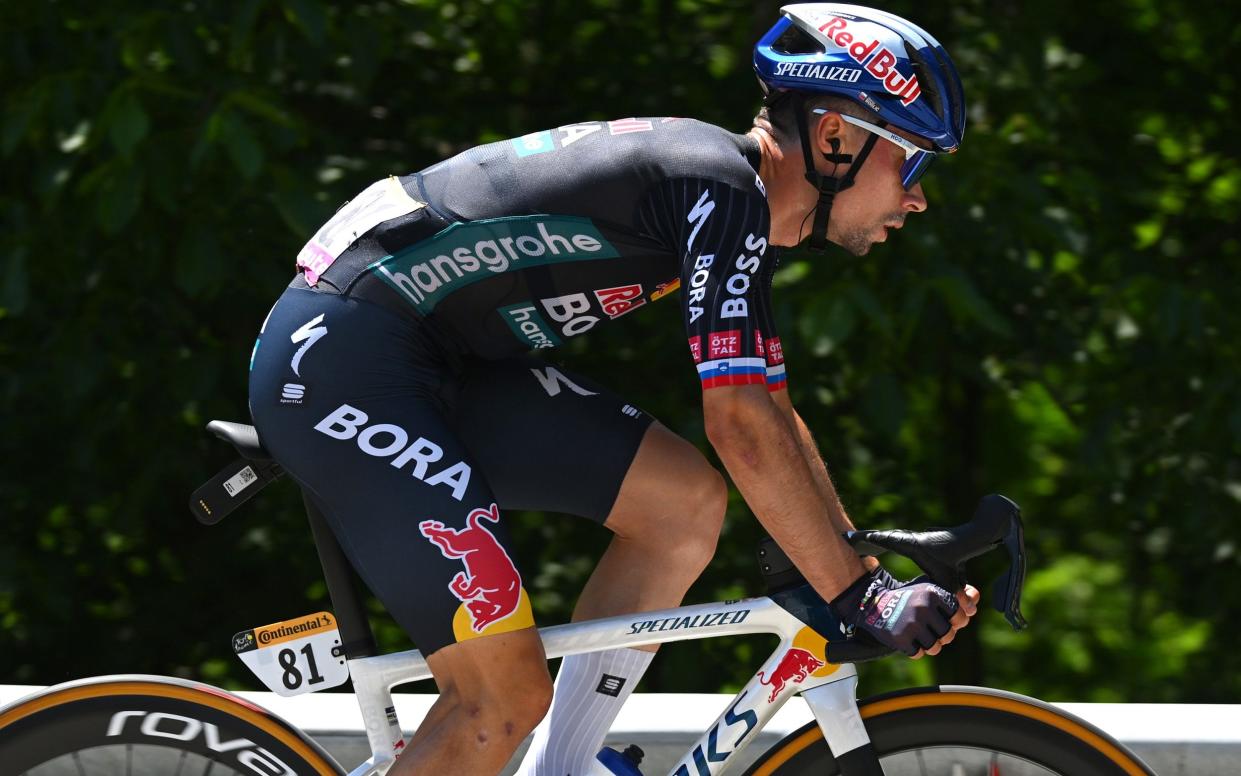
column 171, row 726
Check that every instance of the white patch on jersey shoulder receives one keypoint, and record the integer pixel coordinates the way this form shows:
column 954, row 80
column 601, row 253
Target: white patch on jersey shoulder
column 759, row 182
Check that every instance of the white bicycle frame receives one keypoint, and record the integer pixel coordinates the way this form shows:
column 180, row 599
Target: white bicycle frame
column 798, row 665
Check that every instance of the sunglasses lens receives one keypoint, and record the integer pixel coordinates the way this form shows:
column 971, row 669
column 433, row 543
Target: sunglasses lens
column 915, row 167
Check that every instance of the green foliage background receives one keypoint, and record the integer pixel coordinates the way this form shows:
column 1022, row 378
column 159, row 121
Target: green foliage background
column 1057, row 327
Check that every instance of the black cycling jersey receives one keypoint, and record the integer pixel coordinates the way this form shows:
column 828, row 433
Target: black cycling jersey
column 526, row 242
column 388, row 379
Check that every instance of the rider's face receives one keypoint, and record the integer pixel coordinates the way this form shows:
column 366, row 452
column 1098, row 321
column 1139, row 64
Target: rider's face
column 863, row 214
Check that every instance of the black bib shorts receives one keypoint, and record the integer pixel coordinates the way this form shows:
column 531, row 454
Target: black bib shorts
column 413, row 452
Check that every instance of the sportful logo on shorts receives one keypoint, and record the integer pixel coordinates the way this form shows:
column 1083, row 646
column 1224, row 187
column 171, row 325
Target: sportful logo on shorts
column 465, row 253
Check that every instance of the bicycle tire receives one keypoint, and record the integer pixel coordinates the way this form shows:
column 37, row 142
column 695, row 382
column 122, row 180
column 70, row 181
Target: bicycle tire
column 114, row 725
column 953, row 718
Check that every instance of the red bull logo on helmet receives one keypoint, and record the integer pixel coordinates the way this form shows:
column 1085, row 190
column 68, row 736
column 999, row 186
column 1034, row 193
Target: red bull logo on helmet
column 878, row 60
column 490, row 591
column 794, row 667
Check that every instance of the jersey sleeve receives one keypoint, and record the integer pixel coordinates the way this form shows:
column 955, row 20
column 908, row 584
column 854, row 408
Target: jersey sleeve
column 769, row 345
column 720, row 233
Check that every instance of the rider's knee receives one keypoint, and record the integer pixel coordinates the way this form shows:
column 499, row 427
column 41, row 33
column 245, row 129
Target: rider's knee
column 710, row 502
column 703, row 518
column 526, row 697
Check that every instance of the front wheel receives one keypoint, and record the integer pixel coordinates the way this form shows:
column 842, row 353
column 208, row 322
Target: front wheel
column 133, row 725
column 962, row 731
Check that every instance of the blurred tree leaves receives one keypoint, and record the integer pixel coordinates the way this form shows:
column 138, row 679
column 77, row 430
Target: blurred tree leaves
column 1059, row 326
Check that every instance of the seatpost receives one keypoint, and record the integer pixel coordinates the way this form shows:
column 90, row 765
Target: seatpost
column 355, row 630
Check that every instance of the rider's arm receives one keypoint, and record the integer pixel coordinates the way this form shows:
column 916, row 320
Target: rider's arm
column 766, row 460
column 720, row 231
column 818, row 467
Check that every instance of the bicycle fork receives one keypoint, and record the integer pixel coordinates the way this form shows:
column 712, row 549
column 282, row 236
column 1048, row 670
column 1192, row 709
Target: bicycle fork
column 832, row 698
column 834, row 706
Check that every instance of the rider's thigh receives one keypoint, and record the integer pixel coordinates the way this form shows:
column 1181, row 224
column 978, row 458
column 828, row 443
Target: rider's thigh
column 547, row 438
column 670, row 493
column 339, row 397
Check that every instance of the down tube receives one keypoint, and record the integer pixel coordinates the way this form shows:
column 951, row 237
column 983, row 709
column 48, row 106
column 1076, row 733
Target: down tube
column 786, row 672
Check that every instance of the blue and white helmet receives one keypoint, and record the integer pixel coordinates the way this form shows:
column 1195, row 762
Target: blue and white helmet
column 876, row 59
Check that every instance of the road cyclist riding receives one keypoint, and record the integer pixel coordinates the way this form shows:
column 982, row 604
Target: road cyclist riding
column 391, row 382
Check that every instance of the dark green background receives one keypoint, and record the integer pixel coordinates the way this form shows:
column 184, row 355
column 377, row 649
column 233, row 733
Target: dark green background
column 1062, row 325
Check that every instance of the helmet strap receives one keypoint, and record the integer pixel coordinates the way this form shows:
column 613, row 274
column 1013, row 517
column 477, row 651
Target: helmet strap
column 828, row 186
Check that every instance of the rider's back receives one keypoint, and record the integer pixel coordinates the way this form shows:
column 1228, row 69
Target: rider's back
column 528, row 241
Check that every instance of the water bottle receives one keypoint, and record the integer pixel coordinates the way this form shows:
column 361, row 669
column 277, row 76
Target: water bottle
column 610, row 762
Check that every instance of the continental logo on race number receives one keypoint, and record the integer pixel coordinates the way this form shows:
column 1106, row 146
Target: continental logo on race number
column 466, row 253
column 287, row 630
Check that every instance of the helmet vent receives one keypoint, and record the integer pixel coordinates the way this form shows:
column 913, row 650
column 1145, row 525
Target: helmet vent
column 796, row 41
column 923, row 72
column 956, row 100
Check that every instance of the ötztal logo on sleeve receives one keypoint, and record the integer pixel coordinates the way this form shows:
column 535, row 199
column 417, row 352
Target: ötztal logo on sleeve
column 724, row 344
column 859, row 39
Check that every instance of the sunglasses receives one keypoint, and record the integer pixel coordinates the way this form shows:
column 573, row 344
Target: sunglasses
column 917, row 159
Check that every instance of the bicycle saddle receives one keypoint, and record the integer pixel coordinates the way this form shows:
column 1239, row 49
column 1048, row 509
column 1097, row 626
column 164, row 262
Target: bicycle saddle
column 238, row 482
column 244, row 438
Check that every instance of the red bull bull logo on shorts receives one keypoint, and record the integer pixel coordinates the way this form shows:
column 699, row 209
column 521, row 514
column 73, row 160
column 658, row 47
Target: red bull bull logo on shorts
column 492, row 597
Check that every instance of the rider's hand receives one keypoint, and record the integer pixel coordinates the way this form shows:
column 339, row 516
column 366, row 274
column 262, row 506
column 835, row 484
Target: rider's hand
column 914, row 618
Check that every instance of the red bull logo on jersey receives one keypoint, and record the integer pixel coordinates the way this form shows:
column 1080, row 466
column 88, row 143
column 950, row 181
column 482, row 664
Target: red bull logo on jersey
column 878, row 60
column 490, row 588
column 620, row 300
column 794, row 667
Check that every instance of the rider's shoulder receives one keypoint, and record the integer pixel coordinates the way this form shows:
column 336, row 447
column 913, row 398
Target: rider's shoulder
column 699, row 150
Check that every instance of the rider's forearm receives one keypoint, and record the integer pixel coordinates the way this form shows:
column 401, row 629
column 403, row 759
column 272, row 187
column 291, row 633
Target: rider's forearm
column 818, row 468
column 764, row 458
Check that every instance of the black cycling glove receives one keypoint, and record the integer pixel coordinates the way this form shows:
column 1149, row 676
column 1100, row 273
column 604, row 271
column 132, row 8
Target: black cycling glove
column 905, row 616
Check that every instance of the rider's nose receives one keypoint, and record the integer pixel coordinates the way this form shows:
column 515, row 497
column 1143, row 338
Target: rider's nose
column 914, row 200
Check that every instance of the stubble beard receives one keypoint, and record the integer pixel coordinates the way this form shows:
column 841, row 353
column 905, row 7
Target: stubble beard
column 859, row 241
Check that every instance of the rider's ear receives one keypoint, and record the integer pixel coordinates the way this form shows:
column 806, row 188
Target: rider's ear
column 831, row 126
column 835, row 157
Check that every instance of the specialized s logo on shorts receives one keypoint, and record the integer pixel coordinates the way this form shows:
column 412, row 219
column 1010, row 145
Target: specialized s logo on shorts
column 308, row 334
column 492, row 597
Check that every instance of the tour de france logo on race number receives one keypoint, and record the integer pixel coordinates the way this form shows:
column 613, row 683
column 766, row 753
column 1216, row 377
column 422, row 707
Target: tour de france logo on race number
column 295, row 656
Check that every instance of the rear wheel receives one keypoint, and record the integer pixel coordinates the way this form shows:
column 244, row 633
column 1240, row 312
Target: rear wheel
column 962, row 731
column 140, row 725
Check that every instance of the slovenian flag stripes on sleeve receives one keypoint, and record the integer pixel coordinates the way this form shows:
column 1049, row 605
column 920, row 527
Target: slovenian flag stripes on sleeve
column 732, row 371
column 777, row 380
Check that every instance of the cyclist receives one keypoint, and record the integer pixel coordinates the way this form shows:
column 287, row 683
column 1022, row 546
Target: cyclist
column 389, row 378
